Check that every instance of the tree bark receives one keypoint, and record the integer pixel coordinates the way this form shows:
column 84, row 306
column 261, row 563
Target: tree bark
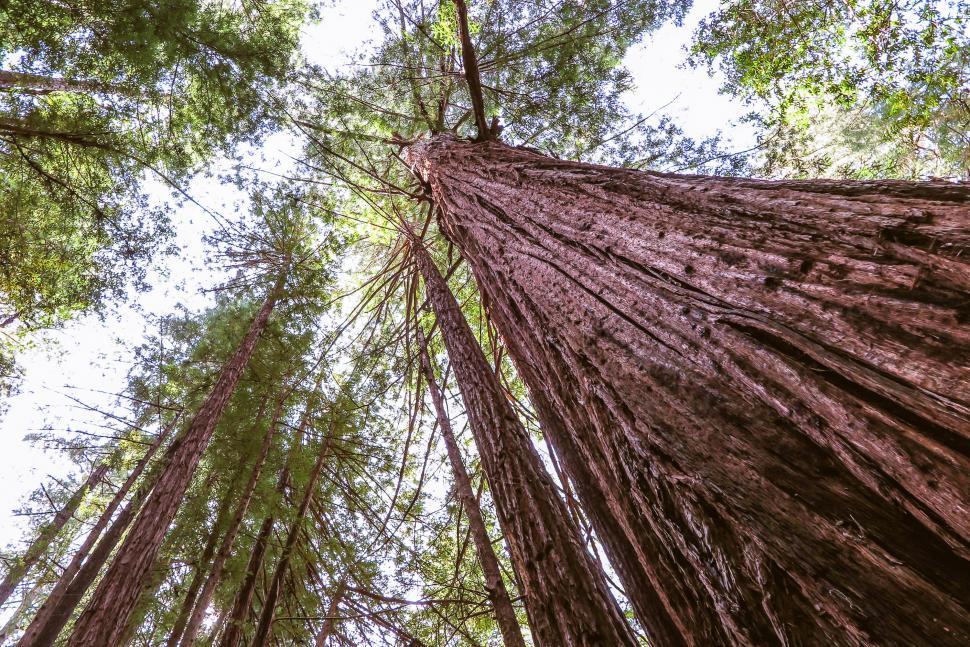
column 330, row 621
column 292, row 536
column 104, row 619
column 759, row 388
column 50, row 618
column 225, row 548
column 40, row 84
column 48, row 532
column 233, row 634
column 202, row 567
column 497, row 593
column 566, row 595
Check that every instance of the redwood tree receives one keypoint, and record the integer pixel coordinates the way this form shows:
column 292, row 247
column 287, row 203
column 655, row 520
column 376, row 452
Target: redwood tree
column 497, row 593
column 107, row 613
column 760, row 388
column 565, row 592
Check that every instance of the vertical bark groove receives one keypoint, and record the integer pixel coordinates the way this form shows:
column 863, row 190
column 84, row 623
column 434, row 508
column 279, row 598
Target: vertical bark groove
column 497, row 593
column 759, row 388
column 566, row 596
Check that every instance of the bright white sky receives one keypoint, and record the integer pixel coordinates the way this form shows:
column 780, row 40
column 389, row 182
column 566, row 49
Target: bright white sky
column 89, row 356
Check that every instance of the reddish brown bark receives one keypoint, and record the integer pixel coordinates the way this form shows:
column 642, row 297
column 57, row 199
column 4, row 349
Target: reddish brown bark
column 233, row 634
column 106, row 615
column 54, row 613
column 264, row 626
column 225, row 548
column 497, row 593
column 330, row 621
column 48, row 532
column 202, row 566
column 760, row 388
column 566, row 596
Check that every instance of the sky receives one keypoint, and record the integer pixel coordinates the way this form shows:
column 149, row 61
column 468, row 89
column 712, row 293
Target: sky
column 89, row 358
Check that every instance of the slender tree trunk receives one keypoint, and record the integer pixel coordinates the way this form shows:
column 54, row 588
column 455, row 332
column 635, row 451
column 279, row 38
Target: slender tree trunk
column 48, row 532
column 330, row 621
column 497, row 593
column 60, row 614
column 38, row 632
column 225, row 548
column 759, row 388
column 40, row 84
column 292, row 536
column 106, row 615
column 11, row 627
column 566, row 595
column 233, row 634
column 202, row 566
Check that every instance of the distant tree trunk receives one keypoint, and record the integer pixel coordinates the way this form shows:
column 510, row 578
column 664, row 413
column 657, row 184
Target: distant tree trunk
column 565, row 592
column 14, row 621
column 106, row 615
column 51, row 618
column 48, row 532
column 497, row 593
column 330, row 621
column 292, row 536
column 202, row 565
column 233, row 634
column 40, row 84
column 759, row 388
column 225, row 548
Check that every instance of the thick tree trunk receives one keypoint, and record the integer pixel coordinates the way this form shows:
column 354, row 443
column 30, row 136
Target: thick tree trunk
column 50, row 618
column 566, row 595
column 48, row 532
column 225, row 548
column 265, row 624
column 60, row 614
column 760, row 388
column 104, row 619
column 497, row 593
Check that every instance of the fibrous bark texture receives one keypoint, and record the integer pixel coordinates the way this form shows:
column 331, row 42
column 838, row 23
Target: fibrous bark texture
column 565, row 593
column 497, row 593
column 761, row 389
column 106, row 615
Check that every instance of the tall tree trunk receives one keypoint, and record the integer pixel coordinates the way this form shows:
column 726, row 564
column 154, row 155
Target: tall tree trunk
column 106, row 615
column 292, row 536
column 225, row 548
column 48, row 532
column 497, row 593
column 759, row 388
column 233, row 634
column 38, row 633
column 330, row 621
column 60, row 614
column 566, row 595
column 202, row 565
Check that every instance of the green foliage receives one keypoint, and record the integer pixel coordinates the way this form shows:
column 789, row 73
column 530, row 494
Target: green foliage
column 94, row 95
column 887, row 81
